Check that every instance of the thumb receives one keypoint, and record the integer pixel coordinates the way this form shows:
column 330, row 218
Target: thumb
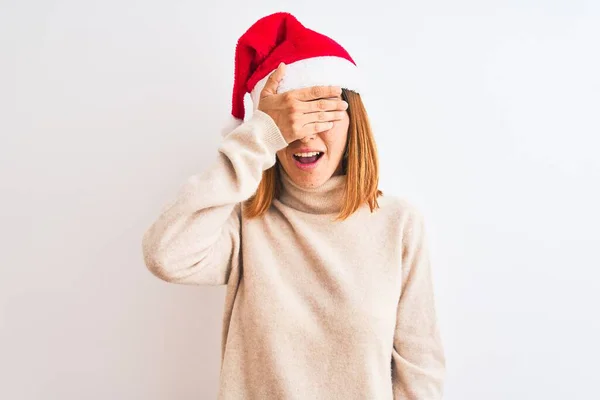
column 273, row 81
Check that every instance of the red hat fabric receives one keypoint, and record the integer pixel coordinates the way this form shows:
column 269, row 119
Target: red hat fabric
column 312, row 59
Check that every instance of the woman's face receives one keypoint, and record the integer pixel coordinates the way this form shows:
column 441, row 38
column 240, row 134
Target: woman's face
column 308, row 170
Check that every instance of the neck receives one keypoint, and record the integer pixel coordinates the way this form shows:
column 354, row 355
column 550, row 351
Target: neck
column 325, row 199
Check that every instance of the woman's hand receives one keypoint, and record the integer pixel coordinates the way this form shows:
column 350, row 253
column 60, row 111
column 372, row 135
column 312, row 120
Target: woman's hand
column 301, row 112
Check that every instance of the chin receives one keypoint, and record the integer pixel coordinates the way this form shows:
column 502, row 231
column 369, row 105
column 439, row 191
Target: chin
column 311, row 179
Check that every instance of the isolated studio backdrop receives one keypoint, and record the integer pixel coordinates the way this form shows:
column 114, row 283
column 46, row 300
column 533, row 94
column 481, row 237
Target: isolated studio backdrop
column 485, row 115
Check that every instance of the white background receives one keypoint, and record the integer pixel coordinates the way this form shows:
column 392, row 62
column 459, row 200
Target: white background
column 486, row 115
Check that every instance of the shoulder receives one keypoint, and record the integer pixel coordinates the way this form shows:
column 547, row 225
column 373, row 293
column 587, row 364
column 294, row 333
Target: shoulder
column 406, row 213
column 402, row 207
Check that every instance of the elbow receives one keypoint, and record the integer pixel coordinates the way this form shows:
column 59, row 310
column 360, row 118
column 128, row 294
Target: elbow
column 154, row 259
column 171, row 264
column 156, row 268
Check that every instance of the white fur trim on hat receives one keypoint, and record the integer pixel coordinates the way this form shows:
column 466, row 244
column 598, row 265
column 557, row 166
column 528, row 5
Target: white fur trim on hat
column 315, row 71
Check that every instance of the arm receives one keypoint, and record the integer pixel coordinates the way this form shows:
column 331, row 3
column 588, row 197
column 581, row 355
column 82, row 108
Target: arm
column 196, row 239
column 418, row 361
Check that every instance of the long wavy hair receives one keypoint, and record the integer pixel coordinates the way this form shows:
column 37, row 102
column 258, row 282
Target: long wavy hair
column 360, row 164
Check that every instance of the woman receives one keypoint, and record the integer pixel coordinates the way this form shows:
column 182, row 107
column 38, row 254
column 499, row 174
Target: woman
column 329, row 292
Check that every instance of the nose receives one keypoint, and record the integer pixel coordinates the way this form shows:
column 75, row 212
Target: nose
column 306, row 139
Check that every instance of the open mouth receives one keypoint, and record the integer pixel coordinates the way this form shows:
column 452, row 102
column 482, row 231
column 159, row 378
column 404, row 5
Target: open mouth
column 308, row 158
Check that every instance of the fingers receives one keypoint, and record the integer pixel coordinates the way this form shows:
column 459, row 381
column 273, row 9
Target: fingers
column 273, row 80
column 301, row 112
column 336, row 104
column 317, row 127
column 321, row 121
column 317, row 92
column 321, row 116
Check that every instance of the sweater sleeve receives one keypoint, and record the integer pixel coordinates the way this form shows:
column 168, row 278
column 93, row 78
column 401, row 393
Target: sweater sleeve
column 418, row 360
column 196, row 237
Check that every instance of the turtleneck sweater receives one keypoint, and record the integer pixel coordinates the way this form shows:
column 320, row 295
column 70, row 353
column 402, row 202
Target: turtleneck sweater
column 314, row 308
column 325, row 199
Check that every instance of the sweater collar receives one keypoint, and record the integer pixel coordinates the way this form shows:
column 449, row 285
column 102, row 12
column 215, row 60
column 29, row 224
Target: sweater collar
column 325, row 199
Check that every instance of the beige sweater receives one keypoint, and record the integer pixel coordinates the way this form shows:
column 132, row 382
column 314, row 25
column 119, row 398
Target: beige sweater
column 314, row 309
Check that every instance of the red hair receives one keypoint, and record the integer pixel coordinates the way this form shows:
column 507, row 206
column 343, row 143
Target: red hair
column 360, row 165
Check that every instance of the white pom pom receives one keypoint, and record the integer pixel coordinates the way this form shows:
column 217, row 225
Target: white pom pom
column 230, row 125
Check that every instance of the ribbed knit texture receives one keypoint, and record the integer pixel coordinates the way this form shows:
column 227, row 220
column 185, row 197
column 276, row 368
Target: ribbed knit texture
column 314, row 309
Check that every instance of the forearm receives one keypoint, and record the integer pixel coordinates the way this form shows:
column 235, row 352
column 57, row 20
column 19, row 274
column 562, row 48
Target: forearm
column 193, row 238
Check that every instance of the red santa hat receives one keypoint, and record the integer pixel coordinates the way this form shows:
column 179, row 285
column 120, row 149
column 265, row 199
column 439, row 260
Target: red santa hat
column 311, row 59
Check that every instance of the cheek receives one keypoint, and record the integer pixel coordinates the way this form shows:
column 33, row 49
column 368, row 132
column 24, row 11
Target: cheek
column 335, row 138
column 281, row 155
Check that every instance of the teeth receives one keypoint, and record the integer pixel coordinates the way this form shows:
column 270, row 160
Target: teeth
column 311, row 154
